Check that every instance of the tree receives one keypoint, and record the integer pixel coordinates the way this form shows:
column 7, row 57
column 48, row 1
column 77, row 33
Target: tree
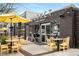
column 50, row 10
column 6, row 8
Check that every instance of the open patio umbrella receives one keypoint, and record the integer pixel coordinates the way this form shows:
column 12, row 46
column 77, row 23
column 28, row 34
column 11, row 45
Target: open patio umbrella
column 15, row 19
column 3, row 29
column 21, row 19
column 12, row 18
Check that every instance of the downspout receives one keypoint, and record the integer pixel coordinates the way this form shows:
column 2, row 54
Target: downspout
column 25, row 26
column 14, row 29
column 74, row 30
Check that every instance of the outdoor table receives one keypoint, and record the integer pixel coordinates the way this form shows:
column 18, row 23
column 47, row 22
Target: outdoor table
column 1, row 33
column 8, row 41
column 58, row 42
column 11, row 41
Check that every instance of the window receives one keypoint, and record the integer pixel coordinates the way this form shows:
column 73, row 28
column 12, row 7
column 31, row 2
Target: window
column 55, row 30
column 43, row 29
column 48, row 29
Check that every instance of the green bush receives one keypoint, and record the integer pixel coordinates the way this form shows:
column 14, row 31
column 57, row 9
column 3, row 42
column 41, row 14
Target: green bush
column 21, row 30
column 2, row 39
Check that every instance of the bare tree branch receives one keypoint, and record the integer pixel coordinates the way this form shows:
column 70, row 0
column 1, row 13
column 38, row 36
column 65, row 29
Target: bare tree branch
column 6, row 8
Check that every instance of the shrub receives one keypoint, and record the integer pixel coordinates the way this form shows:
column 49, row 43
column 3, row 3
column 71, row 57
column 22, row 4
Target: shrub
column 2, row 39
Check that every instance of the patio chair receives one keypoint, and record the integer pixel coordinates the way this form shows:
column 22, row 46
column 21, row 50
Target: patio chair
column 48, row 41
column 23, row 42
column 15, row 47
column 65, row 44
column 4, row 48
column 19, row 45
column 52, row 44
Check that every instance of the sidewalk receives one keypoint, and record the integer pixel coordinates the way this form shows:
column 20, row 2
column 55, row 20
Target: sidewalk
column 35, row 48
column 13, row 54
column 43, row 50
column 69, row 52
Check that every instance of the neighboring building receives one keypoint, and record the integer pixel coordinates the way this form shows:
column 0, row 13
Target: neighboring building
column 60, row 23
column 30, row 14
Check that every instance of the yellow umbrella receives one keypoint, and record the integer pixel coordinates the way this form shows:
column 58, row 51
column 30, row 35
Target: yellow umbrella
column 9, row 15
column 6, row 16
column 16, row 19
column 8, row 20
column 3, row 29
column 21, row 19
column 12, row 18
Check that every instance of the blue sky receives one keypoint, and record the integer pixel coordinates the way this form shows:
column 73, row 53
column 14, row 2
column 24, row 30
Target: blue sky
column 40, row 7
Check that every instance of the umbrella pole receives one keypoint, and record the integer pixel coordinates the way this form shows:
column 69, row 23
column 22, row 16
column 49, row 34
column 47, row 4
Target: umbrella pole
column 14, row 29
column 19, row 34
column 11, row 30
column 25, row 32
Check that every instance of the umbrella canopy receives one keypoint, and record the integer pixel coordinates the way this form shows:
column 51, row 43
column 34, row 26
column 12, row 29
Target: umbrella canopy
column 21, row 19
column 3, row 29
column 9, row 15
column 16, row 19
column 8, row 18
column 12, row 18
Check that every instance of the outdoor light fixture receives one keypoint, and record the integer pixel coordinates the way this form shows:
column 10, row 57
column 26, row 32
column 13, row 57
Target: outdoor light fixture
column 68, row 13
column 62, row 15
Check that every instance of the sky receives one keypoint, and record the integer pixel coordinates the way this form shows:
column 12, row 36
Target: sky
column 40, row 7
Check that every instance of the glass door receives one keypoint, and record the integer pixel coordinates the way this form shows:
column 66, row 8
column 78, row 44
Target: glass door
column 48, row 30
column 45, row 31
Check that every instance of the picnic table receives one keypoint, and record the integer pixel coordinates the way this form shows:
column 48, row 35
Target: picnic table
column 58, row 42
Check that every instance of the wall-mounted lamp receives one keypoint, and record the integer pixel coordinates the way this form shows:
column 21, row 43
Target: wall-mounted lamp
column 62, row 16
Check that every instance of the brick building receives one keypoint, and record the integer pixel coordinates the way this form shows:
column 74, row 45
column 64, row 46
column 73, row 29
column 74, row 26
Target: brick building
column 60, row 23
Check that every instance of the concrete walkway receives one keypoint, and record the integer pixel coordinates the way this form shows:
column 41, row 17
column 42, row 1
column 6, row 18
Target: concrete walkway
column 69, row 52
column 13, row 54
column 35, row 49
